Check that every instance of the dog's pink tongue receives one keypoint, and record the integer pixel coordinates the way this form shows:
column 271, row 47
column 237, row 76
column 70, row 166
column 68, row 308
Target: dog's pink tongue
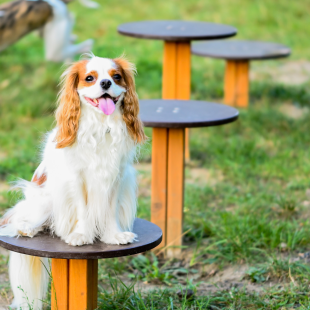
column 107, row 106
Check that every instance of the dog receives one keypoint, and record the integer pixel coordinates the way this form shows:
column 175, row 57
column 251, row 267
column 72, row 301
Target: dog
column 85, row 186
column 20, row 17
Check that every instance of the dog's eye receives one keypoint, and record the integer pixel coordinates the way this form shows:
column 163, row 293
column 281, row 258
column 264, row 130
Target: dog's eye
column 116, row 77
column 89, row 78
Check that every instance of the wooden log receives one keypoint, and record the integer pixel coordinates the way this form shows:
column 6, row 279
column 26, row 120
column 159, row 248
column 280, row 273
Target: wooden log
column 20, row 17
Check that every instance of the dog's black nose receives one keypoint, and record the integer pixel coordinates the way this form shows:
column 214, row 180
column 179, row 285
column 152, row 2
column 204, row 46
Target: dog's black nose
column 105, row 84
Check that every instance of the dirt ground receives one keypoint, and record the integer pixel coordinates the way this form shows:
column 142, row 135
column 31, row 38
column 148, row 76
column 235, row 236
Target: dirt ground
column 294, row 72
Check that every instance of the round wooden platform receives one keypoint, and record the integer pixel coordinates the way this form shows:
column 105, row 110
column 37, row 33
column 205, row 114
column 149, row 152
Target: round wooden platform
column 44, row 245
column 185, row 113
column 240, row 50
column 175, row 30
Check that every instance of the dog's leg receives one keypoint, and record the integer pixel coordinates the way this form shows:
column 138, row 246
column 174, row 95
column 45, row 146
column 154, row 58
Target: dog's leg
column 79, row 235
column 70, row 213
column 122, row 210
column 128, row 199
column 57, row 35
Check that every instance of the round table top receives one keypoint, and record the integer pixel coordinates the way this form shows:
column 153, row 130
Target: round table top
column 240, row 50
column 185, row 113
column 45, row 245
column 176, row 30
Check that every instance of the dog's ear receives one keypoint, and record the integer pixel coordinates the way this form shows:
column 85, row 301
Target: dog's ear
column 131, row 102
column 69, row 109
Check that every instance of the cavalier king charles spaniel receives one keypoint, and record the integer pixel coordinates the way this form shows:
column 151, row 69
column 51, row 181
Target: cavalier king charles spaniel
column 85, row 187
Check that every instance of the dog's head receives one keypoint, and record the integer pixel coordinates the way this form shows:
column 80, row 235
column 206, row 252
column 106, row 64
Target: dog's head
column 102, row 84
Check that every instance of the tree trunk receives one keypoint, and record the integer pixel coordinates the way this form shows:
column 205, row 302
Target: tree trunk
column 20, row 17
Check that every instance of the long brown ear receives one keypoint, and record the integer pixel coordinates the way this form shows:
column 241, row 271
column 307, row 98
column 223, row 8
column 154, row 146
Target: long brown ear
column 131, row 102
column 69, row 110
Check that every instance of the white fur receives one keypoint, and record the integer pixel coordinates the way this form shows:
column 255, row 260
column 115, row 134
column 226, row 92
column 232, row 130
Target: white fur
column 29, row 280
column 90, row 4
column 99, row 163
column 57, row 33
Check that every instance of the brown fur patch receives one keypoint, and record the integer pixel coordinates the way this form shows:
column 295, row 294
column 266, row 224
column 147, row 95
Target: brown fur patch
column 5, row 220
column 69, row 110
column 120, row 82
column 39, row 180
column 82, row 78
column 124, row 63
column 131, row 102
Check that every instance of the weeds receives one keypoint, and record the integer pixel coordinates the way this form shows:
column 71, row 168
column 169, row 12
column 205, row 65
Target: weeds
column 257, row 274
column 281, row 269
column 125, row 297
column 146, row 268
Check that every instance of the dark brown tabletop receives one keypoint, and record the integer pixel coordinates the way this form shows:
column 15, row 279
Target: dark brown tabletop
column 175, row 30
column 185, row 113
column 44, row 245
column 240, row 50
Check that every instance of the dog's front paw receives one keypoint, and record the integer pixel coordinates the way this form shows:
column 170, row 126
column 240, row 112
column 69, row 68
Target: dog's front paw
column 121, row 238
column 77, row 239
column 126, row 237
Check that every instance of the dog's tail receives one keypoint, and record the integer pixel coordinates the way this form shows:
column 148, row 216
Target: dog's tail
column 29, row 277
column 29, row 215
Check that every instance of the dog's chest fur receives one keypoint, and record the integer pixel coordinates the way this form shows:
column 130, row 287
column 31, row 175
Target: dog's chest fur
column 103, row 146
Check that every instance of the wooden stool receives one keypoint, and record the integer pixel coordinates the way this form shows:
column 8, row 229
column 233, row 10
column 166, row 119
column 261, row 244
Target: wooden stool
column 238, row 55
column 177, row 36
column 170, row 118
column 75, row 269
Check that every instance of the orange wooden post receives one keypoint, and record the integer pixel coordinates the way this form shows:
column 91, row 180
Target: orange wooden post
column 169, row 70
column 83, row 281
column 175, row 190
column 168, row 150
column 242, row 96
column 230, row 82
column 183, row 85
column 178, row 150
column 74, row 285
column 168, row 147
column 60, row 284
column 159, row 180
column 236, row 84
column 160, row 146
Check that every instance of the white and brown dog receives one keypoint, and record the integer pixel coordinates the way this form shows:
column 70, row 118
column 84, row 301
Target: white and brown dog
column 85, row 187
column 20, row 17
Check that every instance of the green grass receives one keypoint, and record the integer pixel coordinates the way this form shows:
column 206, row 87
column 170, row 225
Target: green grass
column 252, row 209
column 124, row 297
